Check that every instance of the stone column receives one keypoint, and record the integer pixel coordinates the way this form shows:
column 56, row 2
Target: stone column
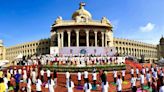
column 58, row 39
column 87, row 38
column 106, row 39
column 77, row 38
column 62, row 40
column 95, row 38
column 102, row 33
column 69, row 37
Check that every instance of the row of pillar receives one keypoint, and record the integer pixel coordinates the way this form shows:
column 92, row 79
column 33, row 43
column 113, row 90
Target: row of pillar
column 133, row 52
column 61, row 40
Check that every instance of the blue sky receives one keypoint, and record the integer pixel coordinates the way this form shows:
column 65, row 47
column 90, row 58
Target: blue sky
column 28, row 20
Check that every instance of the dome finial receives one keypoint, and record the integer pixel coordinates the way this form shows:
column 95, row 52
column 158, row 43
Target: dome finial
column 82, row 4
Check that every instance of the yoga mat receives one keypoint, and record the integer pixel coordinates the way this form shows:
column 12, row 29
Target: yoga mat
column 113, row 83
column 79, row 87
column 139, row 90
column 125, row 82
column 94, row 87
column 11, row 88
column 147, row 88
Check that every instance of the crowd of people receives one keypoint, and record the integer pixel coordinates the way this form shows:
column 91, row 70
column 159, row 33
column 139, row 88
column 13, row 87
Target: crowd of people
column 153, row 76
column 12, row 78
column 72, row 60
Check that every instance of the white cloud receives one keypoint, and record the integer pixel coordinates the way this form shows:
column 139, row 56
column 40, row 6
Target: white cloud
column 147, row 28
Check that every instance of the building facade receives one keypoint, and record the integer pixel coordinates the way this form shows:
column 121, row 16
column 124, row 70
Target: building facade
column 83, row 31
column 2, row 51
column 83, row 34
column 126, row 47
column 28, row 49
column 161, row 48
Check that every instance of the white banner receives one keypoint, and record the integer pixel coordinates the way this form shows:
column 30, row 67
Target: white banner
column 110, row 51
column 54, row 50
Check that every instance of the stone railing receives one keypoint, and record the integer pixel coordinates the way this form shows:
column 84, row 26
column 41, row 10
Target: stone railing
column 73, row 22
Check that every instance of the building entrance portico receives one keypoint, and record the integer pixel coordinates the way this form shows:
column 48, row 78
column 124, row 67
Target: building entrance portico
column 82, row 37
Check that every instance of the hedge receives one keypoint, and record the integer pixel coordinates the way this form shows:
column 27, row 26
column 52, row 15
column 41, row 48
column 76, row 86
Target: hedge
column 87, row 68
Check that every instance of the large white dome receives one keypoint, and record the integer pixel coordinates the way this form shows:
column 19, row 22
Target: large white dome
column 81, row 11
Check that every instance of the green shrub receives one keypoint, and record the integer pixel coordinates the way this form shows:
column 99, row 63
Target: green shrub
column 72, row 68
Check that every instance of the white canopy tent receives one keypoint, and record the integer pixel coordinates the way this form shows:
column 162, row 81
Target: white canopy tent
column 20, row 56
column 3, row 62
column 161, row 62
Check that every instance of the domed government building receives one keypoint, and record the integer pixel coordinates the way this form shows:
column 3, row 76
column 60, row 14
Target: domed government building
column 84, row 35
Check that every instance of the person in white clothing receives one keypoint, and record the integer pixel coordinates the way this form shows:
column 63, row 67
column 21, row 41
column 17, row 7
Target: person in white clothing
column 152, row 69
column 161, row 88
column 20, row 71
column 70, row 85
column 51, row 85
column 48, row 73
column 123, row 74
column 133, row 84
column 94, row 78
column 147, row 69
column 11, row 72
column 6, row 82
column 38, row 85
column 15, row 72
column 156, row 67
column 28, row 84
column 142, row 79
column 87, row 86
column 105, row 86
column 143, row 70
column 148, row 78
column 33, row 76
column 115, row 75
column 132, row 71
column 137, row 72
column 24, row 75
column 155, row 75
column 161, row 72
column 79, row 78
column 119, row 84
column 42, row 74
column 67, row 76
column 85, row 75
